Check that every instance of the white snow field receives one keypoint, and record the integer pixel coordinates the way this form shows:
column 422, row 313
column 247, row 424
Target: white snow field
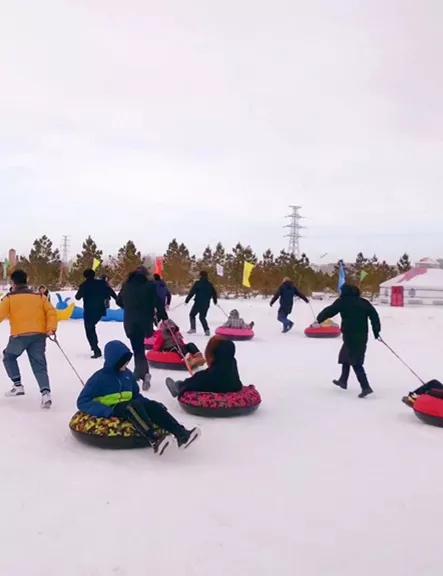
column 316, row 483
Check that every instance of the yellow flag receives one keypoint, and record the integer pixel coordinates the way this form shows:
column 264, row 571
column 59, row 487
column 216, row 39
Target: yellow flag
column 247, row 269
column 95, row 264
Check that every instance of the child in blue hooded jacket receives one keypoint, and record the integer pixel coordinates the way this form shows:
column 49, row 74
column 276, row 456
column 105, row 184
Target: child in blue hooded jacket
column 113, row 391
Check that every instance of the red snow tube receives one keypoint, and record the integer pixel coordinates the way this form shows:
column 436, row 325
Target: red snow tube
column 166, row 360
column 332, row 331
column 217, row 404
column 429, row 409
column 149, row 343
column 235, row 333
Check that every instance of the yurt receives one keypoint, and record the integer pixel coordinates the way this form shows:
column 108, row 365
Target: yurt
column 418, row 286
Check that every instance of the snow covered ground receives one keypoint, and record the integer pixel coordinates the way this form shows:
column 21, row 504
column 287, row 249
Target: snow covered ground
column 317, row 482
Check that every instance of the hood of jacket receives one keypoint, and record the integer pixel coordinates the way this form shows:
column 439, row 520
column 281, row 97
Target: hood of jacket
column 350, row 291
column 116, row 354
column 224, row 353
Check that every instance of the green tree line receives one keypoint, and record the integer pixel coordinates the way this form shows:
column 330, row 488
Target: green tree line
column 44, row 266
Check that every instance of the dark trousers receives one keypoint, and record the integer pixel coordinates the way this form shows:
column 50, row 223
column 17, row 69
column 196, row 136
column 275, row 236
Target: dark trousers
column 282, row 316
column 137, row 335
column 202, row 312
column 359, row 372
column 425, row 388
column 143, row 413
column 91, row 334
column 35, row 347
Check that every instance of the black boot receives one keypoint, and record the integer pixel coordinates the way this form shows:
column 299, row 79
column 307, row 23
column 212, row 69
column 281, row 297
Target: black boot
column 97, row 353
column 173, row 387
column 343, row 380
column 341, row 384
column 363, row 380
column 187, row 437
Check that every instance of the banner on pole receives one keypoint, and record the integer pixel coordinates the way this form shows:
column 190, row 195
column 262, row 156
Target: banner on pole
column 220, row 270
column 341, row 275
column 363, row 275
column 247, row 270
column 159, row 266
column 96, row 264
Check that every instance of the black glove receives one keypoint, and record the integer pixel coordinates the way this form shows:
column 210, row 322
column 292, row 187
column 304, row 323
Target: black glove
column 120, row 409
column 377, row 335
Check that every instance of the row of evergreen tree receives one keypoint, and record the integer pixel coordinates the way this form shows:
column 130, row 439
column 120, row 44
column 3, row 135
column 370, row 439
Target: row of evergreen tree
column 44, row 266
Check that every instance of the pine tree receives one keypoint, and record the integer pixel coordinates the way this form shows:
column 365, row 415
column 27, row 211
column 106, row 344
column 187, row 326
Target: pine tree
column 43, row 264
column 404, row 264
column 84, row 260
column 265, row 276
column 177, row 266
column 128, row 259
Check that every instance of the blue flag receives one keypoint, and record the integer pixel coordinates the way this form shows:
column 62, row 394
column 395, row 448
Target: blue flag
column 341, row 275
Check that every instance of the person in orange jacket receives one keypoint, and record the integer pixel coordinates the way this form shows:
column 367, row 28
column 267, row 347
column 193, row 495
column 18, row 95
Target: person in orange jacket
column 32, row 318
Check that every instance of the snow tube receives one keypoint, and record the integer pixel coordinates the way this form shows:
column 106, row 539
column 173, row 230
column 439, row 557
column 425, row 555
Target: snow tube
column 219, row 405
column 149, row 342
column 429, row 409
column 107, row 432
column 235, row 333
column 330, row 330
column 166, row 360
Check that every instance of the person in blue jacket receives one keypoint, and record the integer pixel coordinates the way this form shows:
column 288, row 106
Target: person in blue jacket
column 286, row 294
column 113, row 391
column 162, row 291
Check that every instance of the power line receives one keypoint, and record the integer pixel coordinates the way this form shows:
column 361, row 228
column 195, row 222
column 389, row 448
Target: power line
column 295, row 228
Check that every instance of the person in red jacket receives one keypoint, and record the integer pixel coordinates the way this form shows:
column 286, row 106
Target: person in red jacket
column 169, row 339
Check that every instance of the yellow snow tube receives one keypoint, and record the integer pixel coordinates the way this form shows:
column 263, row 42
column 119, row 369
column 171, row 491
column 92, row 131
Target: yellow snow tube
column 66, row 313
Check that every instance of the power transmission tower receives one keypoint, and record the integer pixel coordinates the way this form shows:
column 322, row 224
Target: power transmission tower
column 294, row 233
column 65, row 250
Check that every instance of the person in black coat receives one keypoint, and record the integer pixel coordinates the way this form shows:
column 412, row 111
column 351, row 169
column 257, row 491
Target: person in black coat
column 355, row 313
column 95, row 294
column 286, row 294
column 204, row 292
column 140, row 302
column 221, row 375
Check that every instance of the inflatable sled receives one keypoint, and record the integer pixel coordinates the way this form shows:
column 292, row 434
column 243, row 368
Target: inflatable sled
column 166, row 360
column 149, row 342
column 66, row 313
column 235, row 333
column 220, row 405
column 328, row 329
column 76, row 313
column 107, row 432
column 429, row 409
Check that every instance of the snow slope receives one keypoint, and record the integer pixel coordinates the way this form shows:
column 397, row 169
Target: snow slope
column 317, row 482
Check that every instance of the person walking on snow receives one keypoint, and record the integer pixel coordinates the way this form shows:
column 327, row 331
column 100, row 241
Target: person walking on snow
column 140, row 302
column 32, row 318
column 355, row 313
column 203, row 291
column 95, row 294
column 286, row 294
column 162, row 291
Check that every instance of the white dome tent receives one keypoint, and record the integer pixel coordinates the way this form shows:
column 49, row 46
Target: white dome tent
column 418, row 286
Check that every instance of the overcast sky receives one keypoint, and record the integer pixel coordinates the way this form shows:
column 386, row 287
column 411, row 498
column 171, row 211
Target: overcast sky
column 203, row 120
